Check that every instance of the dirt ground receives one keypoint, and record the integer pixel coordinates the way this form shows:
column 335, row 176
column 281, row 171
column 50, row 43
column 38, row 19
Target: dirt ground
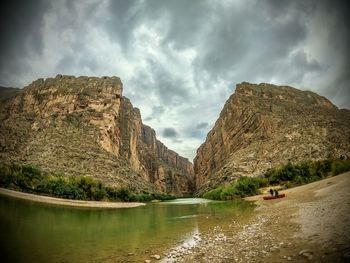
column 311, row 224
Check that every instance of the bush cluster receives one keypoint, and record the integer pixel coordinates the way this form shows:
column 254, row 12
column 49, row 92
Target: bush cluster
column 29, row 179
column 242, row 187
column 306, row 172
column 289, row 175
column 124, row 194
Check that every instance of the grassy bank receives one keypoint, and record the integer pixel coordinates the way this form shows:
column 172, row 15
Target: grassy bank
column 32, row 180
column 288, row 175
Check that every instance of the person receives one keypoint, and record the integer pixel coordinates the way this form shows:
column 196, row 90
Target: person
column 271, row 191
column 276, row 192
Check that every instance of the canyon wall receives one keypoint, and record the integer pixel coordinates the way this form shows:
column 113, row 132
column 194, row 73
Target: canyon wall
column 84, row 126
column 263, row 126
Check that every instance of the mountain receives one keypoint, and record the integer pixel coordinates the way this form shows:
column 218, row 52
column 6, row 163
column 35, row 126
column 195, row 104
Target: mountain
column 84, row 126
column 263, row 126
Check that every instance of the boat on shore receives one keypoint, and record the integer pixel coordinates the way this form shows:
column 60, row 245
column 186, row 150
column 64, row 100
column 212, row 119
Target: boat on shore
column 274, row 196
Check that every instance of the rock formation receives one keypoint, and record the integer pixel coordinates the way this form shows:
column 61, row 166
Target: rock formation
column 263, row 126
column 84, row 126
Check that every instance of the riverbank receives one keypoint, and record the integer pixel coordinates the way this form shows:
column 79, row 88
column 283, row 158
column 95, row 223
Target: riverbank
column 311, row 224
column 67, row 202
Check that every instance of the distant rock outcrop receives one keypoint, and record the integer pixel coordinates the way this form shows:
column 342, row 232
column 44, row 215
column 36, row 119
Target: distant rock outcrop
column 263, row 126
column 84, row 126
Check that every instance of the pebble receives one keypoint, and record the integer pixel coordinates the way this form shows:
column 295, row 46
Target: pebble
column 156, row 257
column 147, row 261
column 306, row 253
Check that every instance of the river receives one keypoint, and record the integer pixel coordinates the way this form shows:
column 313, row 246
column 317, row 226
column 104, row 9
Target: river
column 35, row 232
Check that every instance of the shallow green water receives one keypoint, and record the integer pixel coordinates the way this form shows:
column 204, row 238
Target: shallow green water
column 33, row 232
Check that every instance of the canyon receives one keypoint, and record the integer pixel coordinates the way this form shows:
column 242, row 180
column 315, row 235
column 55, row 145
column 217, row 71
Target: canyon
column 85, row 126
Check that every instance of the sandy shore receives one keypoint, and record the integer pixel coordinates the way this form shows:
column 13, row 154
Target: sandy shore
column 67, row 202
column 311, row 224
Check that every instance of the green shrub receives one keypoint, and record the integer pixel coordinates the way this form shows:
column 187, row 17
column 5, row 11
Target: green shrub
column 306, row 172
column 30, row 179
column 99, row 194
column 214, row 194
column 273, row 176
column 228, row 193
column 288, row 185
column 290, row 175
column 340, row 166
column 243, row 186
column 144, row 197
column 263, row 182
column 162, row 197
column 124, row 194
column 247, row 186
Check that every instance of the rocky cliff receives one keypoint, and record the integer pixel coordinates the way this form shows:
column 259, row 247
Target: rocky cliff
column 263, row 126
column 84, row 126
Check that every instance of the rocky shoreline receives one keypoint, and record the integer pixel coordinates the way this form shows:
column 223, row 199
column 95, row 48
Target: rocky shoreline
column 309, row 225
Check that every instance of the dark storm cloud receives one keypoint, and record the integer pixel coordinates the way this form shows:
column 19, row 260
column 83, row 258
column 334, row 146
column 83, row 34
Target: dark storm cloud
column 180, row 60
column 339, row 38
column 71, row 62
column 20, row 24
column 186, row 19
column 171, row 90
column 251, row 38
column 123, row 18
column 170, row 133
column 20, row 28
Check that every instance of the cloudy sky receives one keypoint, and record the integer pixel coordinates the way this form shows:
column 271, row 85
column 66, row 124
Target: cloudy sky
column 179, row 60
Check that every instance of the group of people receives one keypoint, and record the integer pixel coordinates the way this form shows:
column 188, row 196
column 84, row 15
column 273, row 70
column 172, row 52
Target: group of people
column 273, row 192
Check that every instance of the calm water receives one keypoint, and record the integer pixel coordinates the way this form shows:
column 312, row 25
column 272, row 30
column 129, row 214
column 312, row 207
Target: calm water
column 33, row 232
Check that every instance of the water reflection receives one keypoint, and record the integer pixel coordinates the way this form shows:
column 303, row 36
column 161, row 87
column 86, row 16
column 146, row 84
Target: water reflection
column 32, row 232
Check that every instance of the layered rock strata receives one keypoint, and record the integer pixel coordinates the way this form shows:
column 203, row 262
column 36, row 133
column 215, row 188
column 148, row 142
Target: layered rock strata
column 263, row 126
column 84, row 126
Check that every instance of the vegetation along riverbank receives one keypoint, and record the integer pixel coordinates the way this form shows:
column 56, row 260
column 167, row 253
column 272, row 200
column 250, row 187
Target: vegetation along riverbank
column 29, row 179
column 286, row 176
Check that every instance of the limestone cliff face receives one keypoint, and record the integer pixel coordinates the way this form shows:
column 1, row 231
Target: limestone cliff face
column 84, row 126
column 263, row 126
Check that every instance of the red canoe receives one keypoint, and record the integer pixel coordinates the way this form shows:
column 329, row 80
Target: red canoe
column 274, row 197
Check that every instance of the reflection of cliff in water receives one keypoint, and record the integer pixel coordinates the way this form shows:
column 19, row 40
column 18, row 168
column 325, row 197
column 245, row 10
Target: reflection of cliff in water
column 55, row 234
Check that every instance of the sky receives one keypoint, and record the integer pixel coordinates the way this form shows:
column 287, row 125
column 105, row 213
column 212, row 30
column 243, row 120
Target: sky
column 179, row 60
